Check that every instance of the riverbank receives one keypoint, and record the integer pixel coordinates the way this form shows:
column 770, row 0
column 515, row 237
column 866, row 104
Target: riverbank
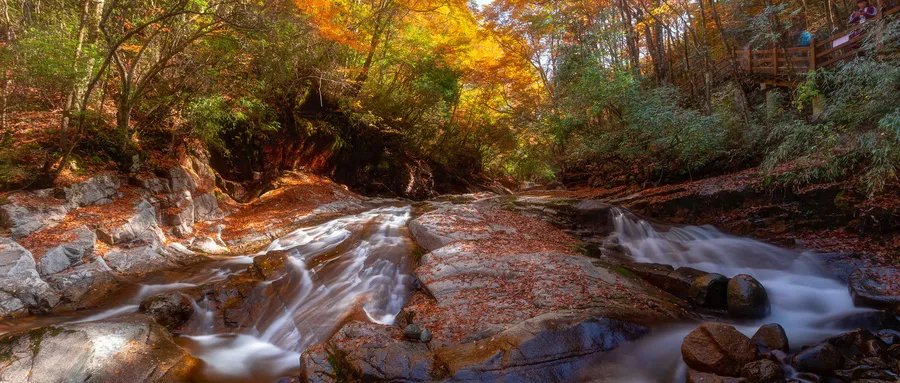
column 315, row 282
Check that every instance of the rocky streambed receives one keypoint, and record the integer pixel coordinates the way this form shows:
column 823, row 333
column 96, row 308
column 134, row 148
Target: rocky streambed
column 478, row 287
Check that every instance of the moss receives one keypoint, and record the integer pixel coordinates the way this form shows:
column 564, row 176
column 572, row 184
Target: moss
column 339, row 374
column 625, row 272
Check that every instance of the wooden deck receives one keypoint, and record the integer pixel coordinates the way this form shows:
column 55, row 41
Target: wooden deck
column 787, row 66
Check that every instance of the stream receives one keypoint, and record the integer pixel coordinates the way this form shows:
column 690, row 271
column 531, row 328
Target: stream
column 360, row 267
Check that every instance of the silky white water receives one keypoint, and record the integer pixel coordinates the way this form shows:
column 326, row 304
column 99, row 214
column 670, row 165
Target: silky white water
column 351, row 265
column 808, row 302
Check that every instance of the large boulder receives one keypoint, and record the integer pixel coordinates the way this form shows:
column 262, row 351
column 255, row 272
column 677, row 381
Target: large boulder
column 876, row 288
column 70, row 253
column 505, row 297
column 709, row 291
column 822, row 358
column 771, row 337
column 21, row 288
column 371, row 352
column 719, row 349
column 29, row 212
column 128, row 349
column 97, row 190
column 763, row 371
column 747, row 298
column 142, row 225
column 14, row 259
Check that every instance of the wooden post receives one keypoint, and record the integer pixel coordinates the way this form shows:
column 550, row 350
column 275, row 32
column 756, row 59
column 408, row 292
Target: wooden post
column 749, row 59
column 812, row 54
column 774, row 60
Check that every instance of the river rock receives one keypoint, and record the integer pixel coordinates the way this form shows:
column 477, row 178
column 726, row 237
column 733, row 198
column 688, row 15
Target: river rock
column 771, row 337
column 821, row 359
column 85, row 286
column 718, row 348
column 24, row 217
column 710, row 291
column 140, row 226
column 21, row 288
column 127, row 349
column 695, row 376
column 271, row 265
column 673, row 281
column 763, row 371
column 97, row 190
column 434, row 229
column 372, row 352
column 70, row 253
column 876, row 287
column 889, row 337
column 747, row 298
column 170, row 309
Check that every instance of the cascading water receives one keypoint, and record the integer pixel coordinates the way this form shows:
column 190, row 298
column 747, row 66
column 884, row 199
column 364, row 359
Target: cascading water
column 355, row 264
column 806, row 301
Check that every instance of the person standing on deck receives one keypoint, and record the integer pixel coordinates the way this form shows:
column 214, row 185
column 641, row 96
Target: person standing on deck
column 863, row 12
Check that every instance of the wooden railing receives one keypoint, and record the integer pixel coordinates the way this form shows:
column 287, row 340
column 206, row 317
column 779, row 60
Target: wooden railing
column 783, row 66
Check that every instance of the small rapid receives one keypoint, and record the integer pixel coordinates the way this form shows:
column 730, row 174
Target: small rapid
column 350, row 267
column 808, row 302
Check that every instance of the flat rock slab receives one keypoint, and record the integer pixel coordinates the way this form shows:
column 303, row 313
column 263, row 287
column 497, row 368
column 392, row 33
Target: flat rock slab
column 508, row 298
column 128, row 349
column 876, row 287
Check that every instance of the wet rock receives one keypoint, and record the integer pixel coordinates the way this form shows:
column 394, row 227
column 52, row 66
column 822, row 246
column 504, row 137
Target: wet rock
column 550, row 347
column 24, row 219
column 170, row 310
column 889, row 337
column 316, row 367
column 695, row 376
column 144, row 257
column 747, row 298
column 865, row 373
column 771, row 337
column 417, row 333
column 140, row 226
column 718, row 348
column 70, row 253
column 821, row 359
column 271, row 265
column 763, row 371
column 872, row 287
column 373, row 352
column 673, row 281
column 128, row 349
column 97, row 190
column 709, row 291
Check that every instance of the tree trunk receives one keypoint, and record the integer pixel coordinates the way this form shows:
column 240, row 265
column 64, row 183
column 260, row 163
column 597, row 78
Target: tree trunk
column 88, row 33
column 738, row 80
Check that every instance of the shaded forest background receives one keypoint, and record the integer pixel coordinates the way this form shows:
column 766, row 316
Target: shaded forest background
column 412, row 96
